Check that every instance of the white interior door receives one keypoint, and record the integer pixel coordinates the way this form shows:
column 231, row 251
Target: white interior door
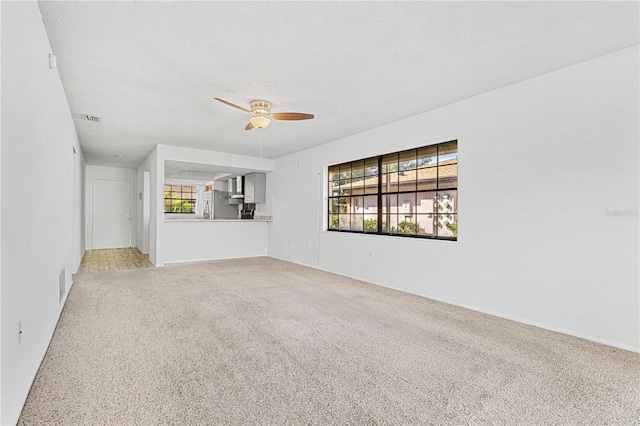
column 111, row 213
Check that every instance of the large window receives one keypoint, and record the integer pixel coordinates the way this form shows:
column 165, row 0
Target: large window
column 408, row 193
column 179, row 199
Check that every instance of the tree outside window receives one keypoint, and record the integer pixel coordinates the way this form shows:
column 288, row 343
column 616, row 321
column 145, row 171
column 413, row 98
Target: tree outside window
column 179, row 199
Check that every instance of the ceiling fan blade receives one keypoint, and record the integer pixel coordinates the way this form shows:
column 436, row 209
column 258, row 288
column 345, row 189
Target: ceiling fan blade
column 232, row 105
column 249, row 126
column 291, row 116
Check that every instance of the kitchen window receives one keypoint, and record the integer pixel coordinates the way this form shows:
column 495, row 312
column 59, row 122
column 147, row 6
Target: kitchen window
column 411, row 193
column 180, row 199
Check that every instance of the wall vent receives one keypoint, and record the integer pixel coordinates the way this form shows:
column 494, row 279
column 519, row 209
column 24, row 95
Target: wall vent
column 91, row 118
column 62, row 277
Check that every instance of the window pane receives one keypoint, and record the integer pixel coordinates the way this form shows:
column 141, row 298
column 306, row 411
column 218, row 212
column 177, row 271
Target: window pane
column 425, row 202
column 407, row 224
column 406, row 204
column 334, row 187
column 334, row 205
column 390, row 203
column 357, row 222
column 371, row 166
column 389, row 213
column 390, row 163
column 343, row 204
column 448, row 152
column 371, row 205
column 447, row 176
column 357, row 169
column 392, row 224
column 427, row 178
column 407, row 160
column 334, row 172
column 427, row 156
column 333, row 221
column 447, row 225
column 425, row 224
column 345, row 187
column 357, row 204
column 357, row 185
column 345, row 171
column 345, row 222
column 389, row 182
column 371, row 185
column 370, row 223
column 407, row 180
column 447, row 202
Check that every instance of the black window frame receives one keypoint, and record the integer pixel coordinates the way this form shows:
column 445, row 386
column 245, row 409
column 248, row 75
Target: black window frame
column 388, row 173
column 192, row 193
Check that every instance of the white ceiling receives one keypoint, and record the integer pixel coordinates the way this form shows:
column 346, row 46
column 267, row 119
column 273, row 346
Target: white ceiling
column 150, row 70
column 198, row 172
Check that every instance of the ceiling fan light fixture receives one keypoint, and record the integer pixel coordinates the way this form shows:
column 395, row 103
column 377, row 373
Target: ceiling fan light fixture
column 260, row 121
column 262, row 116
column 260, row 107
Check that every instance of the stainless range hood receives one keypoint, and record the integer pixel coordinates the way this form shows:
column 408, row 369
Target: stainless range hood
column 235, row 190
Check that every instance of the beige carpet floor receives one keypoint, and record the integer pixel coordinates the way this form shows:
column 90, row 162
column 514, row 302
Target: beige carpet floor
column 265, row 342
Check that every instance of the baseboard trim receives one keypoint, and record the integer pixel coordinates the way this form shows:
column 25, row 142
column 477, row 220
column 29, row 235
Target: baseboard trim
column 481, row 310
column 177, row 262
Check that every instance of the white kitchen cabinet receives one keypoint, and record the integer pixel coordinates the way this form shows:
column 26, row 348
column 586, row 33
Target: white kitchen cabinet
column 255, row 188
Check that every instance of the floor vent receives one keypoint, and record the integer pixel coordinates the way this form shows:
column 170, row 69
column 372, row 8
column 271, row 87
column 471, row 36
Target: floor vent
column 61, row 285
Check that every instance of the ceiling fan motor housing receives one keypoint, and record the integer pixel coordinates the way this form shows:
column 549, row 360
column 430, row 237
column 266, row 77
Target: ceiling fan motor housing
column 260, row 107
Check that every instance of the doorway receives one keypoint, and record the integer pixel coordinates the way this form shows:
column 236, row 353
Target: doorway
column 111, row 213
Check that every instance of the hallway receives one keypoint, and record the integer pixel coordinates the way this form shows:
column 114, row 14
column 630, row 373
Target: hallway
column 114, row 259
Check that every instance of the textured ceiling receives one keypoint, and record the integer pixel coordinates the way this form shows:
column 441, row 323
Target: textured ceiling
column 150, row 70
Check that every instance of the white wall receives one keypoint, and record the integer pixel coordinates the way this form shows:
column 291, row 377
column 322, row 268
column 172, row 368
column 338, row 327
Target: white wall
column 39, row 237
column 145, row 208
column 540, row 162
column 207, row 240
column 79, row 207
column 1, row 316
column 117, row 173
column 150, row 165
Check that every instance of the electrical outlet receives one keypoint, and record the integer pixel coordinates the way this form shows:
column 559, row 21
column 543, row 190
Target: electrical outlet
column 288, row 242
column 370, row 255
column 307, row 244
column 19, row 331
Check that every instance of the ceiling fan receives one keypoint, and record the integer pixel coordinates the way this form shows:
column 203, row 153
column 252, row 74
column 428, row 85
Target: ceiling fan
column 262, row 115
